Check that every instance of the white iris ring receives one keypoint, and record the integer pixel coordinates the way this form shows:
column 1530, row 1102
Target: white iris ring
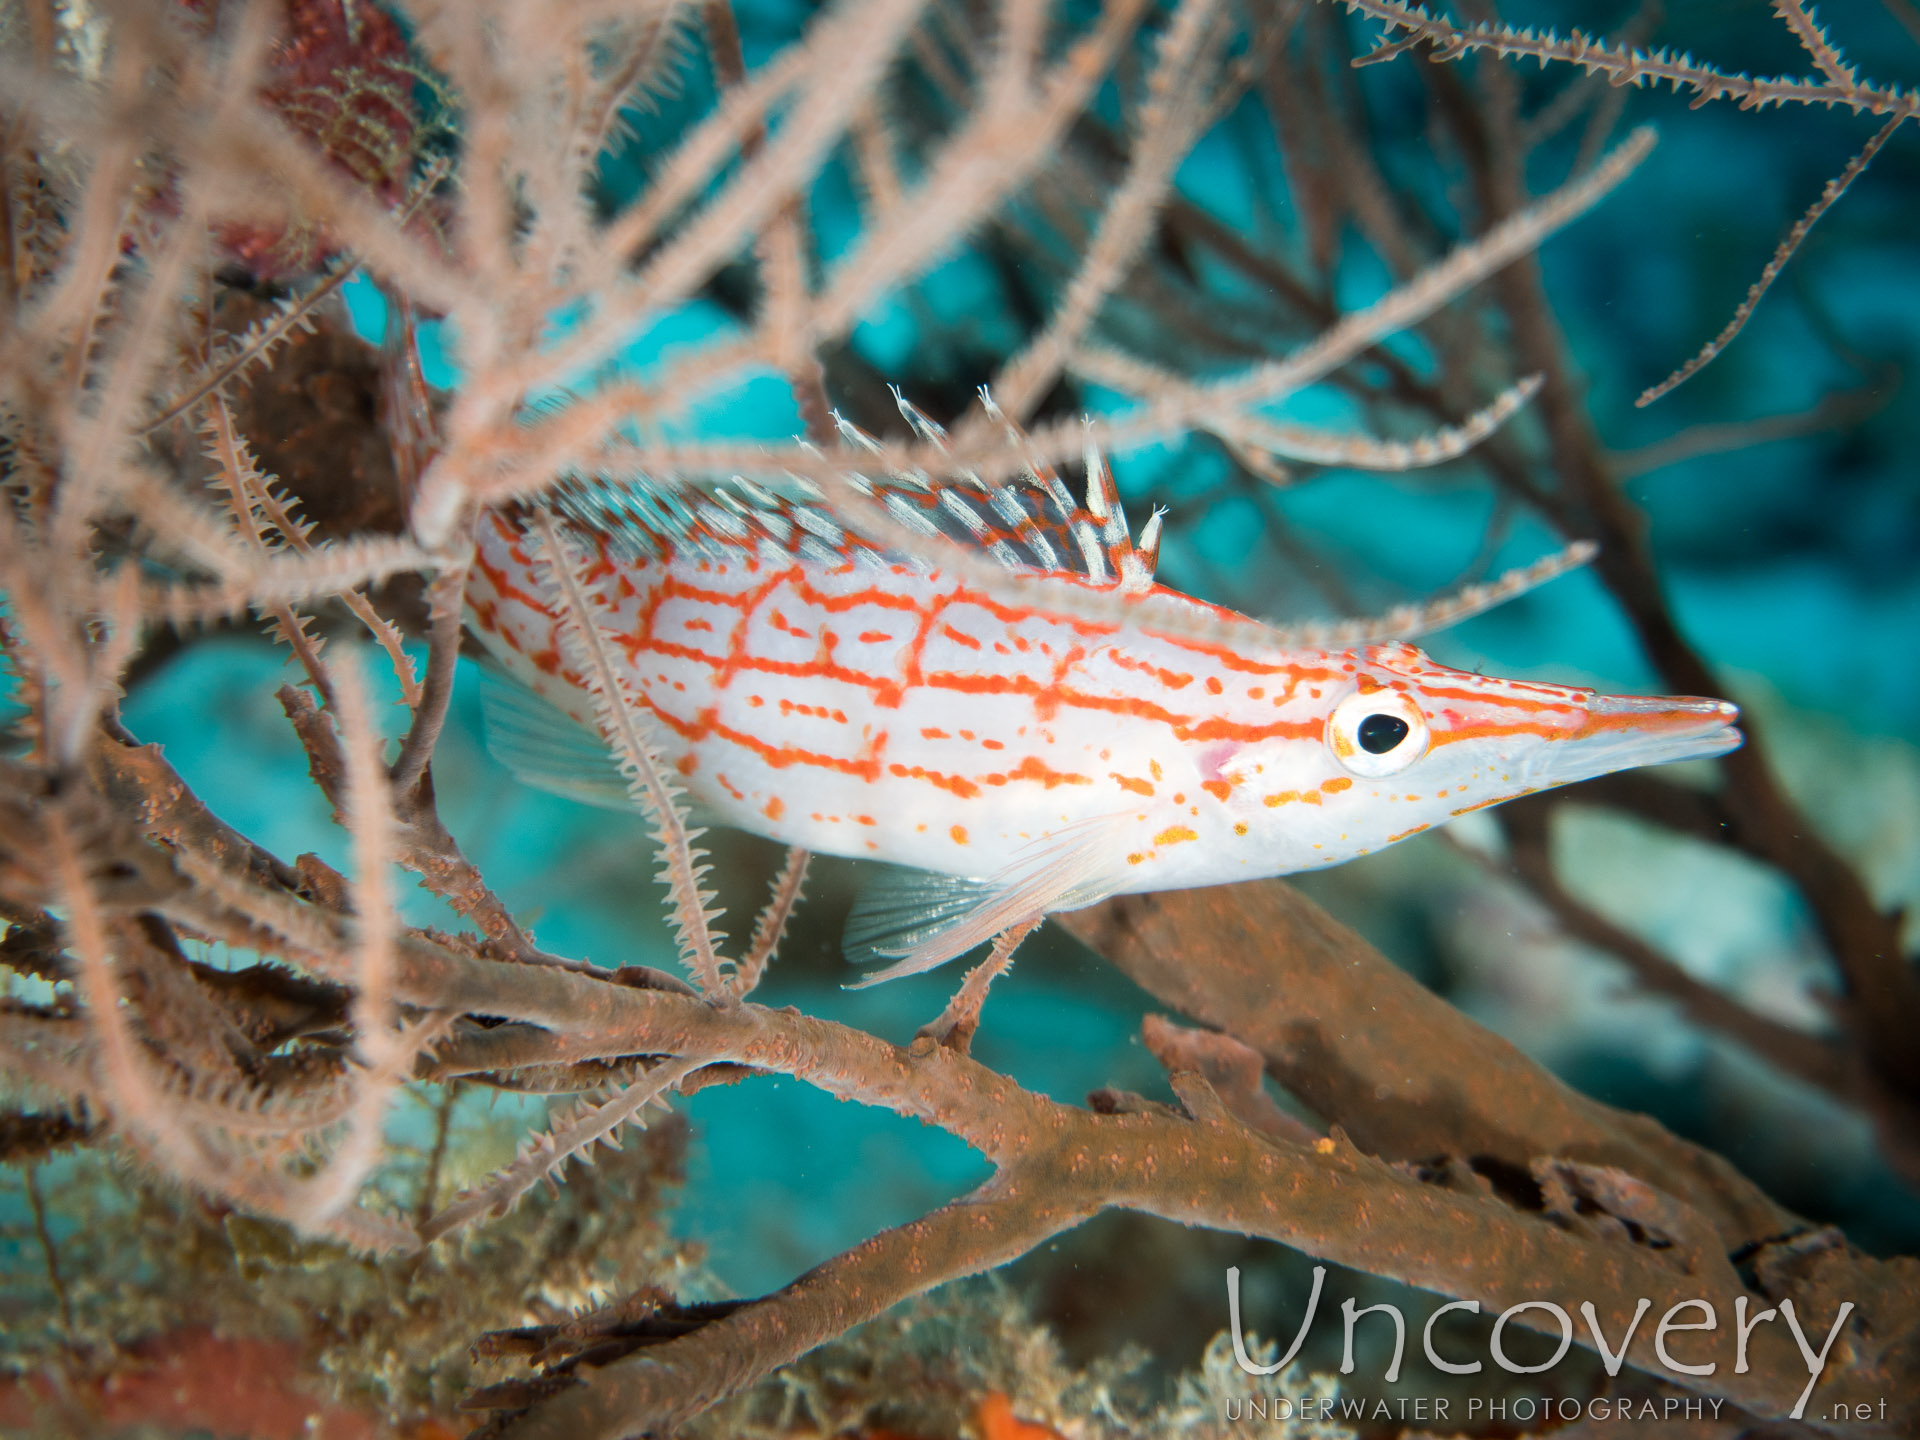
column 1343, row 733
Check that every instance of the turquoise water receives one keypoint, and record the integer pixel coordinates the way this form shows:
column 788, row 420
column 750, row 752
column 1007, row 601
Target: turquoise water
column 1795, row 566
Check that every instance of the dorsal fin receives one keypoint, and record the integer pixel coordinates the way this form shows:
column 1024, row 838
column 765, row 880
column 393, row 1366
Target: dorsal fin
column 1029, row 522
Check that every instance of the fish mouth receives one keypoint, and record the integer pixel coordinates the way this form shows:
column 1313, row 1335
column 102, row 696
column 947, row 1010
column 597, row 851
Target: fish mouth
column 1621, row 732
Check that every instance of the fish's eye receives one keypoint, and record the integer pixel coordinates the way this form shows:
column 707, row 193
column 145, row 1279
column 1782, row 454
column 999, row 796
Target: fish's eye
column 1378, row 733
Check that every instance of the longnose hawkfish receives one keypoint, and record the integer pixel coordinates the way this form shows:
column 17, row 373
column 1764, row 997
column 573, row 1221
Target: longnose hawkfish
column 1022, row 751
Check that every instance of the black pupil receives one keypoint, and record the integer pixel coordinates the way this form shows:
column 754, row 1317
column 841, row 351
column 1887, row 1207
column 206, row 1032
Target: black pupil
column 1380, row 733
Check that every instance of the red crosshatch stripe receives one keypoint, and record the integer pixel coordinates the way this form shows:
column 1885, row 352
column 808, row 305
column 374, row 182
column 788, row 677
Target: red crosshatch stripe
column 1047, row 698
column 791, row 586
column 1508, row 700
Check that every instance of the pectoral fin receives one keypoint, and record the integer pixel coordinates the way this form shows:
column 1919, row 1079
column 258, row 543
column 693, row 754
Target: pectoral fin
column 550, row 750
column 920, row 919
column 547, row 748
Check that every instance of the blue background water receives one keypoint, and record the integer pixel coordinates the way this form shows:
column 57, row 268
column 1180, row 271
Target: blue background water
column 1796, row 563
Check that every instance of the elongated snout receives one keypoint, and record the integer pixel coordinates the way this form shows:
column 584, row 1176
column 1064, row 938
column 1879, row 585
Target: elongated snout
column 1622, row 731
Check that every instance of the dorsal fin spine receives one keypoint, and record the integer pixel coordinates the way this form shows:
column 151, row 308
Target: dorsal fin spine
column 1088, row 540
column 1031, row 520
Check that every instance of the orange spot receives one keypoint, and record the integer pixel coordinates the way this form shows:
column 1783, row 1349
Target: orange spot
column 688, row 763
column 1336, row 785
column 1469, row 809
column 1174, row 835
column 873, row 637
column 997, row 1421
column 774, row 808
column 1240, row 829
column 1172, row 679
column 1289, row 797
column 959, row 833
column 866, row 820
column 1127, row 782
column 1405, row 833
column 959, row 639
column 991, row 745
column 933, row 732
column 1219, row 789
column 1153, row 768
column 1034, row 768
column 1135, row 858
column 728, row 786
column 958, row 784
column 1213, row 685
column 699, row 625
